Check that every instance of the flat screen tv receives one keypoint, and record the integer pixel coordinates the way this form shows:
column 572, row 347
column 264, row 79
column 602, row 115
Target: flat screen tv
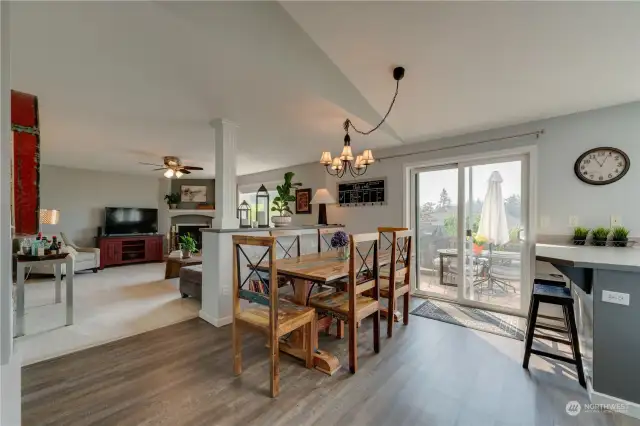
column 126, row 221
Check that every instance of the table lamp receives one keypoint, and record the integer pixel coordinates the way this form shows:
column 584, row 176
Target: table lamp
column 49, row 216
column 322, row 198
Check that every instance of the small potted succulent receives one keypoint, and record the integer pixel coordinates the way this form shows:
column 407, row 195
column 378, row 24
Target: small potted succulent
column 620, row 236
column 187, row 245
column 340, row 241
column 478, row 244
column 281, row 202
column 172, row 199
column 580, row 235
column 600, row 235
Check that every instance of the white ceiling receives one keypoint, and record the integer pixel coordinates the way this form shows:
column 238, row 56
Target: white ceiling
column 122, row 82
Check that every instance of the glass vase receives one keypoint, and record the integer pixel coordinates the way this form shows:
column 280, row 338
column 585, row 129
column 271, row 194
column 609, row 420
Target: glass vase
column 343, row 253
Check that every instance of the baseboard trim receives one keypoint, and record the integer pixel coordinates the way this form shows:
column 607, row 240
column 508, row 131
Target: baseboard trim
column 633, row 409
column 216, row 322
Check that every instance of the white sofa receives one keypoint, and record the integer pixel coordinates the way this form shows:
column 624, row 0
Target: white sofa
column 84, row 258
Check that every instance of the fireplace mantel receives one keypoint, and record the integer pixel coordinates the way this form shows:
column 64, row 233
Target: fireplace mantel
column 191, row 212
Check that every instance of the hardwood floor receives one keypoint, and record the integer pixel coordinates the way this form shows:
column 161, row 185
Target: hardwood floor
column 429, row 373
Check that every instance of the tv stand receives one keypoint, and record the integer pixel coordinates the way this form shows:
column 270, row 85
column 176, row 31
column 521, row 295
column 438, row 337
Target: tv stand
column 124, row 250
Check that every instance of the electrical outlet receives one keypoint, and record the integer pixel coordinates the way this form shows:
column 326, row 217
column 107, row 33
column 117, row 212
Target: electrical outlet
column 573, row 221
column 615, row 297
column 615, row 221
column 226, row 291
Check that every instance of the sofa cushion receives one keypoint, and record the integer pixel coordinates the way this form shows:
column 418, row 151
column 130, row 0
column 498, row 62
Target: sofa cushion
column 82, row 256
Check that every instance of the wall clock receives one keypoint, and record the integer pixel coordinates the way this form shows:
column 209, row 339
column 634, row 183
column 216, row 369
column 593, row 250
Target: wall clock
column 602, row 166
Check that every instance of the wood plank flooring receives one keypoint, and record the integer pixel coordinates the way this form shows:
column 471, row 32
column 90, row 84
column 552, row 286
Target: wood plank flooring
column 429, row 373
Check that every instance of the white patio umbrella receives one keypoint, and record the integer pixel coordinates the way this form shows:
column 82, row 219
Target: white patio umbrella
column 493, row 220
column 493, row 224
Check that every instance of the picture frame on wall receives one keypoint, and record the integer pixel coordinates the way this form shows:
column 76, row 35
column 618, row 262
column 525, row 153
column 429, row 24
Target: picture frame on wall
column 193, row 194
column 303, row 201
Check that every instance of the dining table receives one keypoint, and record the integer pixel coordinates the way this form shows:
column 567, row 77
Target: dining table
column 305, row 272
column 485, row 254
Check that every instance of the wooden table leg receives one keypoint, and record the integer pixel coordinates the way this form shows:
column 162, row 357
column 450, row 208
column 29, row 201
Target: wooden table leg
column 295, row 345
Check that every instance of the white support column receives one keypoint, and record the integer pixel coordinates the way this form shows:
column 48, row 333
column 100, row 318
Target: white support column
column 10, row 358
column 217, row 249
column 225, row 134
column 164, row 220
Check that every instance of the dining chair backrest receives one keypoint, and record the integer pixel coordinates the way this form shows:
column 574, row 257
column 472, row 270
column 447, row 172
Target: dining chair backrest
column 289, row 241
column 401, row 254
column 384, row 240
column 363, row 265
column 254, row 287
column 324, row 238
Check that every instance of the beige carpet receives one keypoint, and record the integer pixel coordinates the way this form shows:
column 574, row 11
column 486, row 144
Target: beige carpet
column 110, row 305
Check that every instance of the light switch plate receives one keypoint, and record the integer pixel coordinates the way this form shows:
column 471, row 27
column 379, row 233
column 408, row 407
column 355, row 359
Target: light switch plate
column 615, row 297
column 544, row 221
column 615, row 221
column 573, row 221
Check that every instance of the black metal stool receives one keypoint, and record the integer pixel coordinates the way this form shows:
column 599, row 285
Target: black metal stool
column 555, row 295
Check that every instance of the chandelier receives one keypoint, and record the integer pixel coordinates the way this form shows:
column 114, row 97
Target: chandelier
column 338, row 166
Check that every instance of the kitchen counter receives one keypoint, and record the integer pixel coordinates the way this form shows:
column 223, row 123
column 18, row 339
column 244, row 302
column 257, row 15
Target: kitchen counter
column 282, row 228
column 606, row 288
column 611, row 258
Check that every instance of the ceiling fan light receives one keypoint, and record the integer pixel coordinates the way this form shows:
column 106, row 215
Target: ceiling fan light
column 346, row 153
column 168, row 174
column 326, row 158
column 367, row 157
column 179, row 174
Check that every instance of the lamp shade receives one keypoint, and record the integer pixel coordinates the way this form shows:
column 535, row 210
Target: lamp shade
column 346, row 153
column 49, row 217
column 367, row 157
column 168, row 174
column 326, row 158
column 322, row 196
column 337, row 164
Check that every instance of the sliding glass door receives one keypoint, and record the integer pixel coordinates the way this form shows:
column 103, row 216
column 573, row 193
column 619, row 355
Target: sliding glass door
column 470, row 221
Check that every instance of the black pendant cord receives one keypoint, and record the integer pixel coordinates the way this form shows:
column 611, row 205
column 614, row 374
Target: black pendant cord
column 348, row 123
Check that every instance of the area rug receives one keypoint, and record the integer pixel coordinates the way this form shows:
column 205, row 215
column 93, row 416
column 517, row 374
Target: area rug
column 478, row 319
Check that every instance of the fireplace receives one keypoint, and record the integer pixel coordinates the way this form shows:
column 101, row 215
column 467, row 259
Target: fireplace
column 193, row 229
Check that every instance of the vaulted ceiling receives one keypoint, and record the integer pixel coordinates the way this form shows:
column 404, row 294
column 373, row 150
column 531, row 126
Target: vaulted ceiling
column 122, row 82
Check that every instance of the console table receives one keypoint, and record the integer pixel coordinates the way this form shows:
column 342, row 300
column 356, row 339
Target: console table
column 57, row 267
column 123, row 250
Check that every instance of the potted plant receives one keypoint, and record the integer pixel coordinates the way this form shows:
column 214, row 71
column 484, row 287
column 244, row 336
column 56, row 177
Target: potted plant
column 580, row 235
column 340, row 241
column 619, row 235
column 172, row 199
column 281, row 202
column 187, row 245
column 478, row 244
column 600, row 235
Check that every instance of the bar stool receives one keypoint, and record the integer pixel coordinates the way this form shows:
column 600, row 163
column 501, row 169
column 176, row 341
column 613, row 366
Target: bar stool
column 555, row 295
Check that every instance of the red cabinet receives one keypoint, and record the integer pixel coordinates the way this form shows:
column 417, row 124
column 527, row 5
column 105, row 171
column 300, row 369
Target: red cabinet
column 125, row 250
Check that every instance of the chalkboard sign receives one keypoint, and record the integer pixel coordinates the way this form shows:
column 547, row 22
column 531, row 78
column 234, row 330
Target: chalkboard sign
column 362, row 193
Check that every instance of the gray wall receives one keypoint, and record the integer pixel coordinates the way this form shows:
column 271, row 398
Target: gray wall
column 560, row 193
column 81, row 196
column 209, row 183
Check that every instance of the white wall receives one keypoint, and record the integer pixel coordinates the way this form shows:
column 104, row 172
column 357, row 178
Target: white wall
column 81, row 196
column 560, row 193
column 311, row 176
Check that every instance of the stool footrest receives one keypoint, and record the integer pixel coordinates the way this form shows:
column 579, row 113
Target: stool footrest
column 552, row 338
column 552, row 328
column 551, row 317
column 554, row 356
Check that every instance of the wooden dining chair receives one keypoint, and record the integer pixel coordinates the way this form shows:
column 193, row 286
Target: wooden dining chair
column 385, row 243
column 395, row 281
column 352, row 306
column 324, row 238
column 266, row 313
